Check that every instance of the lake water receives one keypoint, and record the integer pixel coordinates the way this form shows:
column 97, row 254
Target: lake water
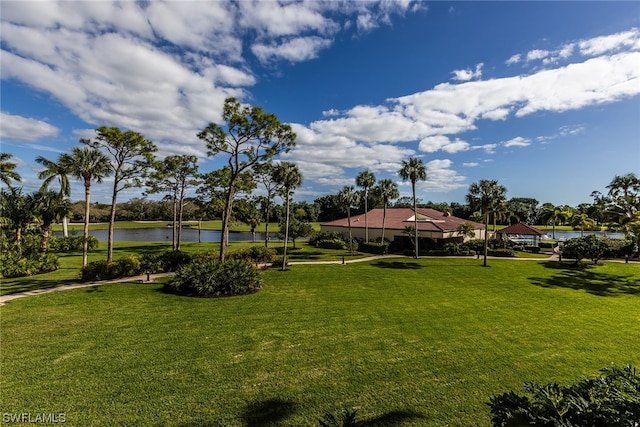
column 566, row 235
column 165, row 234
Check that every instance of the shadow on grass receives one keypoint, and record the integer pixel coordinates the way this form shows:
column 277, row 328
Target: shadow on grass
column 391, row 418
column 573, row 277
column 268, row 412
column 24, row 285
column 399, row 265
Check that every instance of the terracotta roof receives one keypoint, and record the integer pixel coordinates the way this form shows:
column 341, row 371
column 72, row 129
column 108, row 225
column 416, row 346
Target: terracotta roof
column 521, row 228
column 399, row 218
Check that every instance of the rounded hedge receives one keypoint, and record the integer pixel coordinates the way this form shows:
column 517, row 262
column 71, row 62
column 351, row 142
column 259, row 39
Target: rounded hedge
column 205, row 277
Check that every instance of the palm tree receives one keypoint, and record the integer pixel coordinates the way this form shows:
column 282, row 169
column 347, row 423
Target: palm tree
column 386, row 190
column 48, row 206
column 486, row 196
column 53, row 170
column 413, row 170
column 289, row 177
column 15, row 211
column 582, row 221
column 87, row 164
column 554, row 214
column 366, row 180
column 349, row 197
column 624, row 208
column 467, row 230
column 7, row 170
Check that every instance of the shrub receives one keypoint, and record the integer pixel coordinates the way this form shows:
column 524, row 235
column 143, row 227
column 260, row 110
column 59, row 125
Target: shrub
column 611, row 399
column 617, row 248
column 547, row 244
column 173, row 260
column 255, row 254
column 15, row 264
column 96, row 270
column 102, row 270
column 591, row 247
column 323, row 235
column 532, row 249
column 209, row 278
column 71, row 243
column 151, row 263
column 501, row 252
column 331, row 244
column 475, row 245
column 374, row 248
column 125, row 267
column 455, row 249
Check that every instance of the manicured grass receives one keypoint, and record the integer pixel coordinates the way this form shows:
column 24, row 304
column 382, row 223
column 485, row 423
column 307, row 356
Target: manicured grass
column 71, row 263
column 426, row 341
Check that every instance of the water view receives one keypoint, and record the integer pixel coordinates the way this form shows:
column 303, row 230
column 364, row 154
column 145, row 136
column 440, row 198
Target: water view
column 164, row 234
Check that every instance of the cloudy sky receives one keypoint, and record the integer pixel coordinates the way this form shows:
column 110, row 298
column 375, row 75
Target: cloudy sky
column 544, row 96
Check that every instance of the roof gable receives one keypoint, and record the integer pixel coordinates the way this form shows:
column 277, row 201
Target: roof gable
column 521, row 228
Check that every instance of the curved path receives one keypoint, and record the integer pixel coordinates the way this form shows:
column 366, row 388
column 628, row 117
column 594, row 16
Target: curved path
column 143, row 278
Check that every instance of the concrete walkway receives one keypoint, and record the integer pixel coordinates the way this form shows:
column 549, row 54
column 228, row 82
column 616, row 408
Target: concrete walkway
column 143, row 278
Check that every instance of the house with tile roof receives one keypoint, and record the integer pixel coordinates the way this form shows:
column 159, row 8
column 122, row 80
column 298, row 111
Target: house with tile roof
column 521, row 233
column 434, row 227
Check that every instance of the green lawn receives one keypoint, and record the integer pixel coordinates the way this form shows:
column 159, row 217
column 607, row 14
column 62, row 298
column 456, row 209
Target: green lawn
column 70, row 263
column 425, row 342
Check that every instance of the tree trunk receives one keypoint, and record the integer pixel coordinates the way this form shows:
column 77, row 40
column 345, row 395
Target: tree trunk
column 180, row 212
column 65, row 226
column 224, row 237
column 486, row 237
column 174, row 221
column 266, row 229
column 349, row 223
column 415, row 217
column 286, row 234
column 112, row 220
column 85, row 232
column 44, row 241
column 366, row 219
column 384, row 217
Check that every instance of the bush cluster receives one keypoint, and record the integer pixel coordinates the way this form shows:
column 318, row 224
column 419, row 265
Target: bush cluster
column 501, row 252
column 25, row 259
column 208, row 278
column 374, row 248
column 618, row 248
column 611, row 399
column 255, row 254
column 16, row 264
column 164, row 262
column 332, row 240
column 71, row 243
column 103, row 270
column 591, row 247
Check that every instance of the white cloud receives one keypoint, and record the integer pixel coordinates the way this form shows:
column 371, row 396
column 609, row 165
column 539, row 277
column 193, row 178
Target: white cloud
column 537, row 54
column 294, row 50
column 470, row 164
column 514, row 59
column 441, row 177
column 182, row 60
column 468, row 74
column 24, row 128
column 432, row 144
column 517, row 142
column 612, row 42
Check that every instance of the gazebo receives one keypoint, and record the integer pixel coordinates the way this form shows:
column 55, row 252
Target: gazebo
column 521, row 233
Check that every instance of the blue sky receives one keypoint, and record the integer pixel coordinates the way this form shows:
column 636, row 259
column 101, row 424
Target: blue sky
column 542, row 96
